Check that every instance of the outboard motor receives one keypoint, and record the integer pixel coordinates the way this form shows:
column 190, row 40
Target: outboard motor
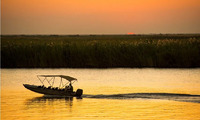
column 79, row 92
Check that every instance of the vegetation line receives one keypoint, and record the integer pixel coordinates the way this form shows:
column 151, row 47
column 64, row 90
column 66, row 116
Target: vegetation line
column 100, row 51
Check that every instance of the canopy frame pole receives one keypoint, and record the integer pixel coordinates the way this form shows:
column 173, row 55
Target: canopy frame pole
column 48, row 81
column 44, row 79
column 66, row 84
column 73, row 82
column 40, row 80
column 60, row 82
column 53, row 81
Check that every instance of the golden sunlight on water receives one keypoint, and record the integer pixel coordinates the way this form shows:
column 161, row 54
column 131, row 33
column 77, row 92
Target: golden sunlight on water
column 108, row 94
column 40, row 108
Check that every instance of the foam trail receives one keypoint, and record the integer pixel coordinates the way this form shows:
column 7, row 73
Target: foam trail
column 166, row 96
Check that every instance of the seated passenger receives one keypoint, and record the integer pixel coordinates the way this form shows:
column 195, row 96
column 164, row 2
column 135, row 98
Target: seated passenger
column 66, row 88
column 70, row 87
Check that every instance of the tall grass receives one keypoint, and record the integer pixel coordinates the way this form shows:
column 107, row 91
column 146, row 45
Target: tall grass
column 100, row 51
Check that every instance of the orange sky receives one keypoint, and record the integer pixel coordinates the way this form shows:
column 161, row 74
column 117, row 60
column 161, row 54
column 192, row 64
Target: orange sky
column 99, row 16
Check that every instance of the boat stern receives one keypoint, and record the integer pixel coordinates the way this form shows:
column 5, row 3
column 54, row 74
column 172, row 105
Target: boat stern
column 79, row 92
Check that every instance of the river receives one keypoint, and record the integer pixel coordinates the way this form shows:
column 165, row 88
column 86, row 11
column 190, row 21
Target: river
column 121, row 93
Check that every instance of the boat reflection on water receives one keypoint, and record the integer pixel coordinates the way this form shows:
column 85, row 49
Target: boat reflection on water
column 49, row 101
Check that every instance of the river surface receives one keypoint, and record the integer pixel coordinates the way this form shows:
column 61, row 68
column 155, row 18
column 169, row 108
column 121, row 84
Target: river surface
column 108, row 94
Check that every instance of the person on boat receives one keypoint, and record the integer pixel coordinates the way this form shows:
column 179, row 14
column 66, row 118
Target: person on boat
column 66, row 88
column 70, row 87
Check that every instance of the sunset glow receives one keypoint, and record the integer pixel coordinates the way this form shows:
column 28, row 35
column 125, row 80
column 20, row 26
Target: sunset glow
column 100, row 16
column 130, row 33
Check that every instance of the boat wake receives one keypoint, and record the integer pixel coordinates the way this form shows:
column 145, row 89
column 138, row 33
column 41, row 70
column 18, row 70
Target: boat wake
column 164, row 96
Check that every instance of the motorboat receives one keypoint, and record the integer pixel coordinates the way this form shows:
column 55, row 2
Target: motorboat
column 65, row 87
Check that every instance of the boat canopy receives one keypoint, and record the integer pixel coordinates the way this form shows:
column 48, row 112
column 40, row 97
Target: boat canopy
column 70, row 79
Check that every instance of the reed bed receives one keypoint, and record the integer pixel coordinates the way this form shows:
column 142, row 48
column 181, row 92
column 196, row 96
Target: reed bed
column 100, row 51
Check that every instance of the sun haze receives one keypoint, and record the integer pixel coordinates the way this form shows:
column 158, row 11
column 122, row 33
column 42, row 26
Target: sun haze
column 99, row 16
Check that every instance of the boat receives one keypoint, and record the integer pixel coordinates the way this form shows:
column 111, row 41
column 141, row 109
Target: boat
column 65, row 87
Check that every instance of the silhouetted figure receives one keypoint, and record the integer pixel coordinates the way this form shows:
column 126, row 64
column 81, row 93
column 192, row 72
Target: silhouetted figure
column 70, row 87
column 66, row 88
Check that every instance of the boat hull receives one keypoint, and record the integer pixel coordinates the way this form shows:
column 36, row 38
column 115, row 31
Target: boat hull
column 50, row 91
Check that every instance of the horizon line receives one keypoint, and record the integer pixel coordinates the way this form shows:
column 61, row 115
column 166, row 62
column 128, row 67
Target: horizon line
column 99, row 34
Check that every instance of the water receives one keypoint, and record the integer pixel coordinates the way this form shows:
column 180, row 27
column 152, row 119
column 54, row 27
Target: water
column 108, row 94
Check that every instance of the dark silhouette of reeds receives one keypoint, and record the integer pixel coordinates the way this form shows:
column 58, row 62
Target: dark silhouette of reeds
column 100, row 51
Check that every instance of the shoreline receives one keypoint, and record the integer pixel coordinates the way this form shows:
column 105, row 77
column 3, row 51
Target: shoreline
column 101, row 51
